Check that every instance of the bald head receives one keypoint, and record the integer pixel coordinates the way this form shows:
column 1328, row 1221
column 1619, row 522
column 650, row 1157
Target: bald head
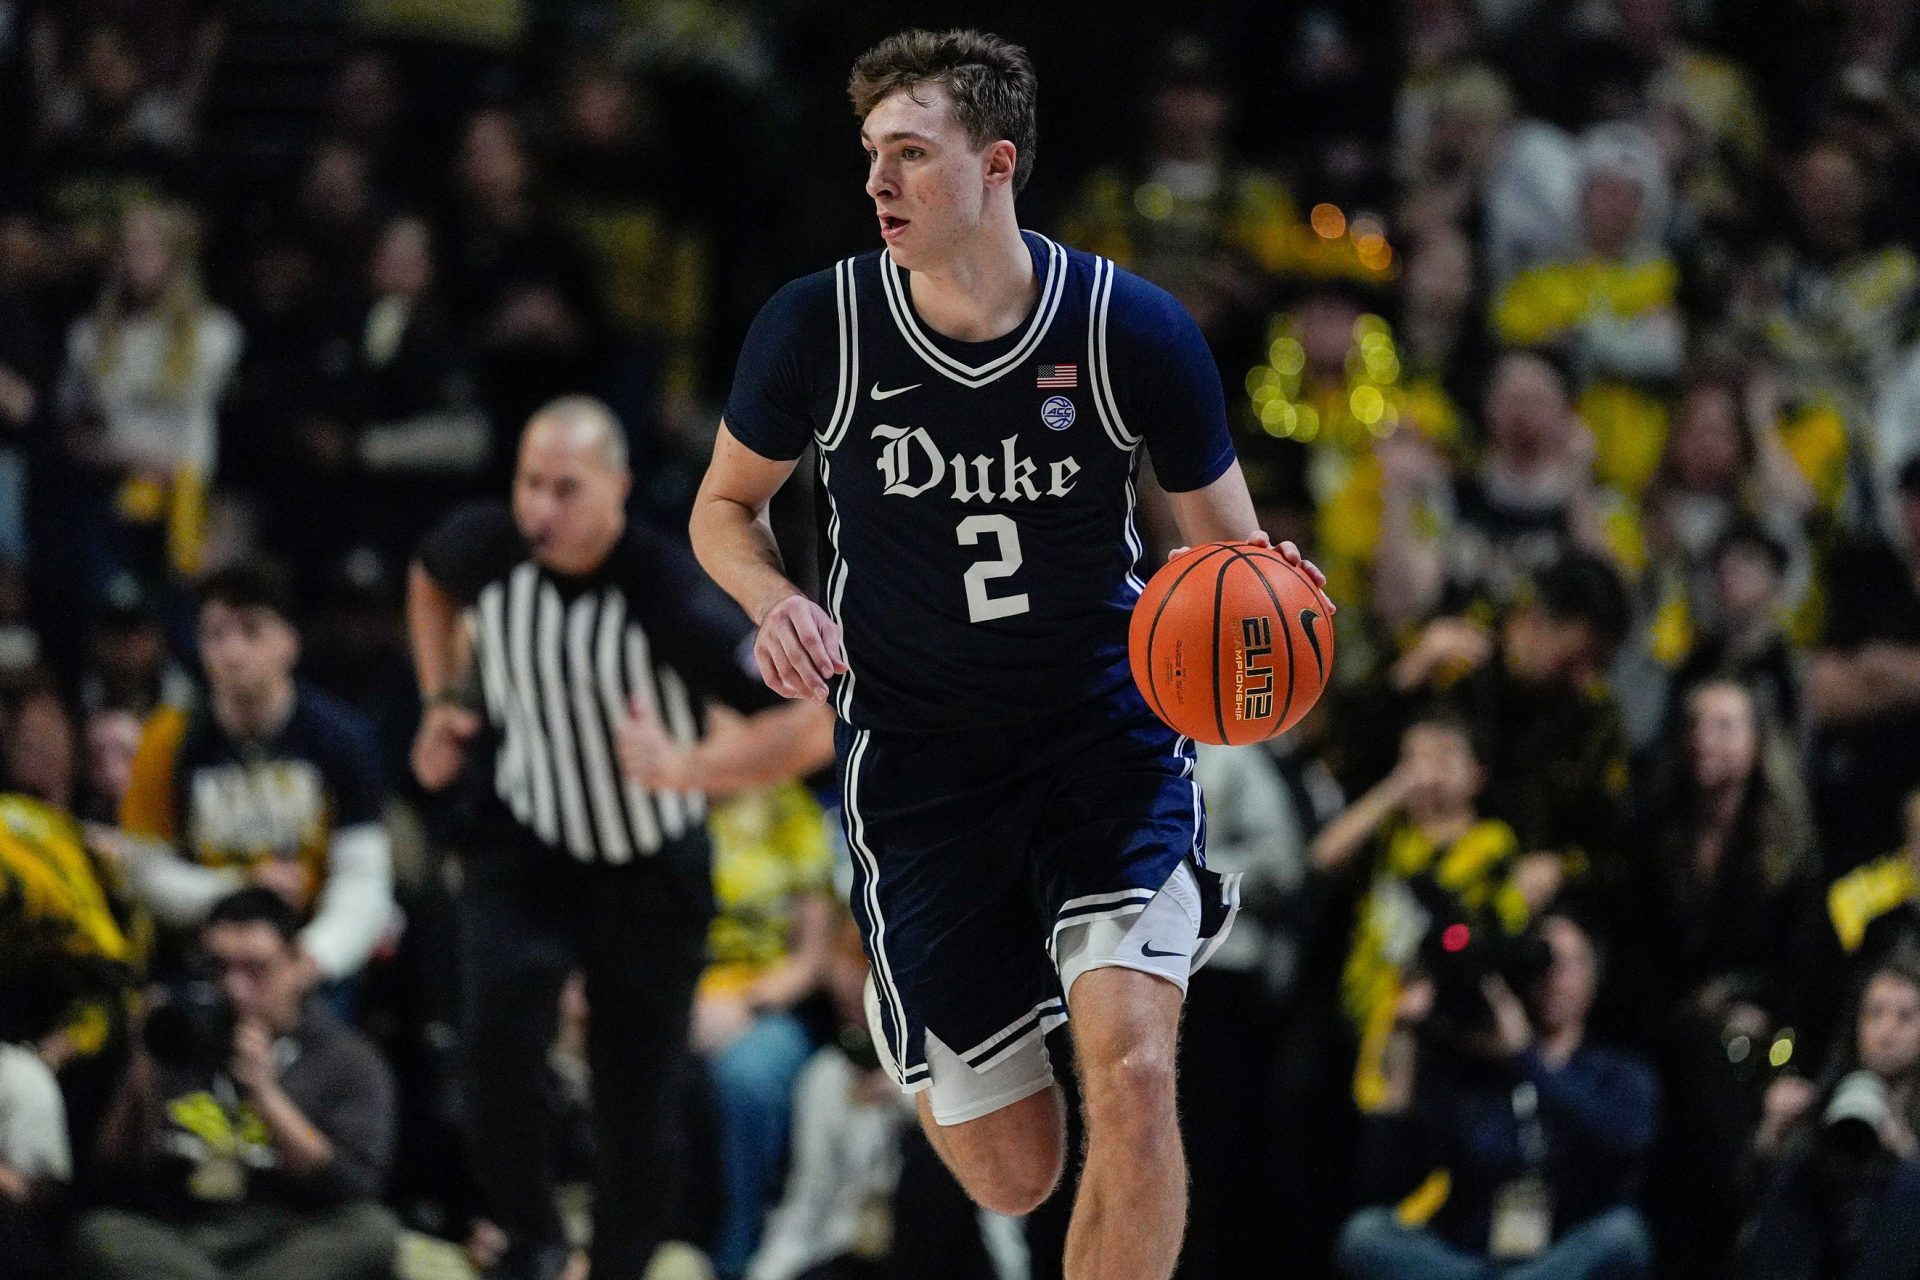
column 579, row 424
column 570, row 486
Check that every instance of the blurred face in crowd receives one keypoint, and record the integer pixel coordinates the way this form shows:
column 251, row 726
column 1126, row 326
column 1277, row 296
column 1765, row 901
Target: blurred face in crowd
column 112, row 739
column 1704, row 449
column 1447, row 775
column 930, row 188
column 403, row 259
column 1723, row 739
column 1326, row 334
column 1610, row 207
column 1440, row 274
column 130, row 651
column 599, row 108
column 336, row 189
column 1889, row 1029
column 570, row 491
column 1540, row 649
column 257, row 972
column 1565, row 992
column 1189, row 120
column 147, row 252
column 1745, row 584
column 1527, row 410
column 1829, row 196
column 248, row 652
column 493, row 160
column 110, row 70
column 365, row 97
column 40, row 750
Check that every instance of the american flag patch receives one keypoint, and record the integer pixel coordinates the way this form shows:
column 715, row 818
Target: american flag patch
column 1058, row 375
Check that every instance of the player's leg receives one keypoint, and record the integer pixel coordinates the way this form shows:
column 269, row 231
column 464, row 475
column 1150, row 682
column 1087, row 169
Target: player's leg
column 1008, row 1160
column 1131, row 1212
column 961, row 995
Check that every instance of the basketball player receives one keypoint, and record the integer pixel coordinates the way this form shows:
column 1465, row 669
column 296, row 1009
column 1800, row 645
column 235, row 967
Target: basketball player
column 1027, row 836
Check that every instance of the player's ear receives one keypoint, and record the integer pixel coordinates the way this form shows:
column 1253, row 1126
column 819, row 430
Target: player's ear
column 1002, row 159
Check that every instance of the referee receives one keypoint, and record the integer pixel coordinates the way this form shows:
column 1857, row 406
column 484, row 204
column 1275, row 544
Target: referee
column 593, row 643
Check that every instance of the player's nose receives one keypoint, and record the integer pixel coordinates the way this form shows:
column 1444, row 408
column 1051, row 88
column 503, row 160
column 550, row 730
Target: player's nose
column 880, row 183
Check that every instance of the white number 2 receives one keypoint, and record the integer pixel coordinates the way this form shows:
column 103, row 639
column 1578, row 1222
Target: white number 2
column 982, row 607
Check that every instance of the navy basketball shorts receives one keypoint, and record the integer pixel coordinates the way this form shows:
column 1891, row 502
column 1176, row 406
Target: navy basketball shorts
column 993, row 867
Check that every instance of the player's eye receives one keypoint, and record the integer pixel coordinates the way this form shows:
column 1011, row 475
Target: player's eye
column 912, row 153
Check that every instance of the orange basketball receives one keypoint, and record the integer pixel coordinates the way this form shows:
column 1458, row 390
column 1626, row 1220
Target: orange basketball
column 1230, row 643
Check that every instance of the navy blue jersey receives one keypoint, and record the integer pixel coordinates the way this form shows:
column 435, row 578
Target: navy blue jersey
column 982, row 551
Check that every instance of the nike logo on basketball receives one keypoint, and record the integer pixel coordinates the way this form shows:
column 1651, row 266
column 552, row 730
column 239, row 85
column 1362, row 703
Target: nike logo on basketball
column 878, row 394
column 1147, row 949
column 1307, row 618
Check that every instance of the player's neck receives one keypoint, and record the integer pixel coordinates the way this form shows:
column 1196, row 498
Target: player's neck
column 982, row 293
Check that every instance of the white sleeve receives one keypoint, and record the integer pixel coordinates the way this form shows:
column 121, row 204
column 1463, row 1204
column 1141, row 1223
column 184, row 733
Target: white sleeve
column 178, row 892
column 356, row 903
column 33, row 1118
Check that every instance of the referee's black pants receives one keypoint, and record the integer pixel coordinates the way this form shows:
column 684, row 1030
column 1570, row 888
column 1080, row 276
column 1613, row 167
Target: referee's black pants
column 638, row 933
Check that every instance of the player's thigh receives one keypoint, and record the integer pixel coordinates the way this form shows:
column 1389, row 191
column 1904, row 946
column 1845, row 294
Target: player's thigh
column 1126, row 1032
column 1008, row 1159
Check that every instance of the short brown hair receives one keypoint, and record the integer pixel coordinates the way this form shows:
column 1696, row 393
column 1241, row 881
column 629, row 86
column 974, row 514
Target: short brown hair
column 990, row 80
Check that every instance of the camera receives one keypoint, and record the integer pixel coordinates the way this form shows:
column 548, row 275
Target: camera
column 1462, row 949
column 193, row 1025
column 1855, row 1115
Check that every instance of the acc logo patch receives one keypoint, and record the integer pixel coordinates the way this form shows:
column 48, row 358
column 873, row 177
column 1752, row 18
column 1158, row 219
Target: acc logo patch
column 1057, row 412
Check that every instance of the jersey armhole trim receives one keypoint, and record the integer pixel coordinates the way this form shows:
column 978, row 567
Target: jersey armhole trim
column 1099, row 382
column 847, row 319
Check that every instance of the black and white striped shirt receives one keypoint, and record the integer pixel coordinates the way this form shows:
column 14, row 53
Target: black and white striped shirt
column 559, row 660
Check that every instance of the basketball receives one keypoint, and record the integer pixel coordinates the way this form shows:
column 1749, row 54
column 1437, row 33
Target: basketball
column 1230, row 644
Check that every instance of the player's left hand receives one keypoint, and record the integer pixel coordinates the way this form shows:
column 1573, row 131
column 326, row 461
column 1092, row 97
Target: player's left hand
column 648, row 756
column 1288, row 552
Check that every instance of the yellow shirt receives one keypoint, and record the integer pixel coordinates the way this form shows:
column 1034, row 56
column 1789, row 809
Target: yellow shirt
column 769, row 847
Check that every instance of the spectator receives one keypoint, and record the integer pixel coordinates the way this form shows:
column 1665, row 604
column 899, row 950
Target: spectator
column 1722, row 460
column 1727, row 936
column 1747, row 641
column 1611, row 303
column 1535, row 1136
column 35, row 1161
column 271, row 783
column 1531, row 500
column 1841, row 1200
column 253, row 1131
column 1432, row 853
column 1875, row 908
column 848, row 1123
column 769, row 947
column 110, row 739
column 144, row 377
column 1863, row 685
column 1556, row 763
column 129, row 665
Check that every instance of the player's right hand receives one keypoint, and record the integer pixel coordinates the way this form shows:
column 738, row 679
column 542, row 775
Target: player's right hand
column 799, row 649
column 440, row 748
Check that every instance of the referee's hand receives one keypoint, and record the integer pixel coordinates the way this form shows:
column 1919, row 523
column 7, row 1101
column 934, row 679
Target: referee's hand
column 440, row 748
column 799, row 649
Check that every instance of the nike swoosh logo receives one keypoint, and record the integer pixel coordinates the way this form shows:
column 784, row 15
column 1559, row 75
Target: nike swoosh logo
column 1146, row 949
column 878, row 394
column 1307, row 618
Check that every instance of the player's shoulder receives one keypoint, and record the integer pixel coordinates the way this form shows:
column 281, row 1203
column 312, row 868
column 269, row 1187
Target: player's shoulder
column 815, row 298
column 1136, row 309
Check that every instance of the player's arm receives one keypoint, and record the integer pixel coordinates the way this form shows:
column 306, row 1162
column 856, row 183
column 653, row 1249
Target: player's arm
column 1222, row 511
column 798, row 647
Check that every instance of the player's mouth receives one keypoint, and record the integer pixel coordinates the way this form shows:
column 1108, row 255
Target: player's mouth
column 891, row 225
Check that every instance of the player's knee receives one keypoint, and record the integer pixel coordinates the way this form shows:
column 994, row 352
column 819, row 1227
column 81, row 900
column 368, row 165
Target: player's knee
column 1136, row 1086
column 1017, row 1184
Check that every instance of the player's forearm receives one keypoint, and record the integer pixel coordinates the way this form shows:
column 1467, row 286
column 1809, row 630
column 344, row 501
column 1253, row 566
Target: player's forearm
column 1220, row 512
column 433, row 633
column 735, row 545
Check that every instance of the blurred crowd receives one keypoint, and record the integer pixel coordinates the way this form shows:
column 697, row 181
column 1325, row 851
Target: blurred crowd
column 1579, row 342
